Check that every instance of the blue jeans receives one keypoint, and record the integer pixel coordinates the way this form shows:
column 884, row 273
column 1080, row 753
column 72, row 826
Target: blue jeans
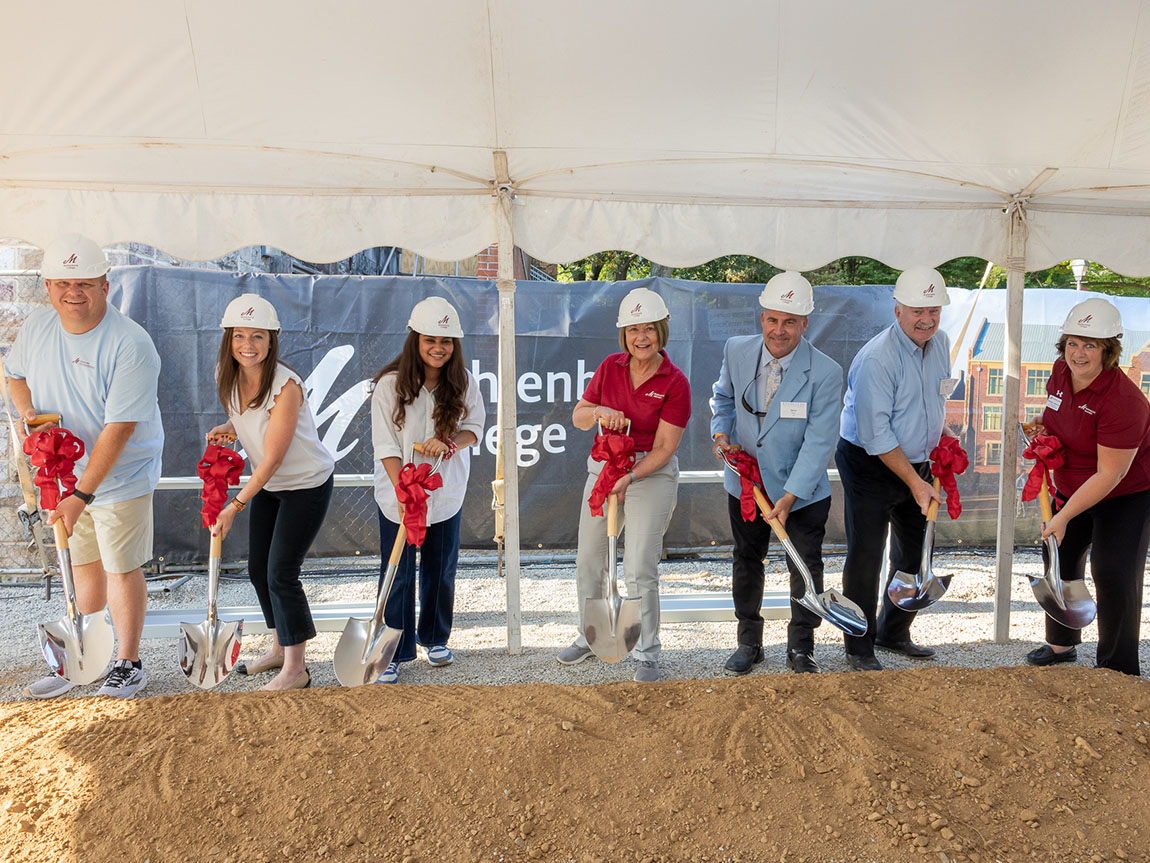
column 282, row 525
column 439, row 556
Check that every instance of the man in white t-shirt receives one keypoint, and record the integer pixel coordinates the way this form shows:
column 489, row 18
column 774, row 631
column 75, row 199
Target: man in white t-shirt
column 99, row 370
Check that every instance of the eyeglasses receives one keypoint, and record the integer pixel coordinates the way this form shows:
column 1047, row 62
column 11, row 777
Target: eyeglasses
column 747, row 405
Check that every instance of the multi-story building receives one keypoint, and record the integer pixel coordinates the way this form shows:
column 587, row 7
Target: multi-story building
column 982, row 422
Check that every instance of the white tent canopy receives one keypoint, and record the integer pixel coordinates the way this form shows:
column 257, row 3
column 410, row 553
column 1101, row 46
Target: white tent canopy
column 796, row 130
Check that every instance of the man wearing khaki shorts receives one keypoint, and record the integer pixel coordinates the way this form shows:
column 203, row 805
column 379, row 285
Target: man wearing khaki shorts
column 99, row 370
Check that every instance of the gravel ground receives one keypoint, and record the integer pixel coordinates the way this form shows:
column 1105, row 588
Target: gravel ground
column 960, row 627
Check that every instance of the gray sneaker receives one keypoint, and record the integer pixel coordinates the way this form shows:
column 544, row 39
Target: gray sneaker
column 52, row 686
column 574, row 654
column 124, row 681
column 647, row 672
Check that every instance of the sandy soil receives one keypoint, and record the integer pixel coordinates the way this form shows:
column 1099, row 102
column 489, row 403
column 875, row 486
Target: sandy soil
column 947, row 764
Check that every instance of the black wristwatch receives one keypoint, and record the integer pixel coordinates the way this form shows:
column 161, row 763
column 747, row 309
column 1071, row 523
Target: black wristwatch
column 84, row 496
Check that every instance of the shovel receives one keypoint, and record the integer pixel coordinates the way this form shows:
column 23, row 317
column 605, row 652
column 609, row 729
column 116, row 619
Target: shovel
column 78, row 647
column 914, row 592
column 611, row 624
column 831, row 605
column 1065, row 602
column 209, row 650
column 368, row 644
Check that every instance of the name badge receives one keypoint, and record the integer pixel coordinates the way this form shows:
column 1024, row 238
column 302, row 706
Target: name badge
column 793, row 410
column 1053, row 402
column 946, row 387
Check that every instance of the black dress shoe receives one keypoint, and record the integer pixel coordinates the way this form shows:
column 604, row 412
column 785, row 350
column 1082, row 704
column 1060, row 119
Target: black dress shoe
column 1047, row 655
column 906, row 648
column 741, row 661
column 802, row 662
column 863, row 663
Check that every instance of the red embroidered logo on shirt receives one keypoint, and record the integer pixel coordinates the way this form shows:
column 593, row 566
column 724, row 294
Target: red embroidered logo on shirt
column 80, row 362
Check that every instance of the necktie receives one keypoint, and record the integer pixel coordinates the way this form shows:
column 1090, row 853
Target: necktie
column 774, row 378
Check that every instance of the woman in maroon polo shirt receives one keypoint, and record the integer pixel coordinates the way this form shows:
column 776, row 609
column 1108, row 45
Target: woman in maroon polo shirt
column 641, row 385
column 1102, row 491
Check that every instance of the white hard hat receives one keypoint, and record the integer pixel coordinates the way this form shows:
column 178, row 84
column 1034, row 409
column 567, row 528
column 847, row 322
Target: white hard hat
column 641, row 306
column 920, row 288
column 1096, row 318
column 73, row 256
column 435, row 317
column 250, row 310
column 788, row 292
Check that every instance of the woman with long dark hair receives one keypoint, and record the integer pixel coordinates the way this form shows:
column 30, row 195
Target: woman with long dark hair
column 291, row 479
column 426, row 396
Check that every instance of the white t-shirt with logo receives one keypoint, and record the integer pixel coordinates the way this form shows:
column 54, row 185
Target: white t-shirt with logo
column 109, row 374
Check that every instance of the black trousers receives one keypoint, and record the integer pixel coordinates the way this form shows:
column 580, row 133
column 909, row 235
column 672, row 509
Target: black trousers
column 281, row 528
column 1116, row 533
column 806, row 528
column 873, row 499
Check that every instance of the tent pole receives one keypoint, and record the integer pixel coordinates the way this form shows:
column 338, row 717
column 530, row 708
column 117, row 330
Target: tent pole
column 507, row 415
column 1007, row 487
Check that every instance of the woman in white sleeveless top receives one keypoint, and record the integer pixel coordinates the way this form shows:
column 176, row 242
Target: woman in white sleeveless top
column 291, row 479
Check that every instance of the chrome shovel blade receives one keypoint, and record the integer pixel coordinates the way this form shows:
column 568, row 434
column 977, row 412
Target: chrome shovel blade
column 362, row 655
column 1065, row 602
column 208, row 651
column 612, row 627
column 78, row 650
column 831, row 605
column 915, row 592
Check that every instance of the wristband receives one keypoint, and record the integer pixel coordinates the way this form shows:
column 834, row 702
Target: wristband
column 452, row 448
column 631, row 474
column 239, row 504
column 83, row 496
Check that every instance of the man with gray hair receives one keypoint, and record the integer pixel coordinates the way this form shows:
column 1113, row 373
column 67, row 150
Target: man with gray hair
column 894, row 413
column 99, row 370
column 778, row 396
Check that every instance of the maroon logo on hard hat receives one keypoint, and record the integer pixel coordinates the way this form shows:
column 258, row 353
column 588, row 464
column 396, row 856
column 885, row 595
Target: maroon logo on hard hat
column 638, row 310
column 789, row 295
column 929, row 290
column 1085, row 322
column 445, row 322
column 70, row 261
column 247, row 313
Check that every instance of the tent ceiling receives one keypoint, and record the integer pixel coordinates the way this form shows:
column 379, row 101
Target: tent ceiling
column 797, row 130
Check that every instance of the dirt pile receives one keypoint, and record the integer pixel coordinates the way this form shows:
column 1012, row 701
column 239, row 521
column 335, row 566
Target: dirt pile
column 941, row 764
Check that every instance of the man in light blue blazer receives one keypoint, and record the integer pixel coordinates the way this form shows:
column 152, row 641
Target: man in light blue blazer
column 778, row 398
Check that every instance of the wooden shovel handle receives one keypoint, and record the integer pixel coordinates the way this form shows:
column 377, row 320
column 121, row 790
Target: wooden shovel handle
column 932, row 510
column 397, row 546
column 216, row 545
column 613, row 515
column 60, row 534
column 1044, row 501
column 764, row 507
column 41, row 419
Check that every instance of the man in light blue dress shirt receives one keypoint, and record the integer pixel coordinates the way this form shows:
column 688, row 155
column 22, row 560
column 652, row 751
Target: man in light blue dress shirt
column 778, row 397
column 893, row 415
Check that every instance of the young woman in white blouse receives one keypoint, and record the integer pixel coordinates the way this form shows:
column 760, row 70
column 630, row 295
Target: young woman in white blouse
column 291, row 480
column 425, row 395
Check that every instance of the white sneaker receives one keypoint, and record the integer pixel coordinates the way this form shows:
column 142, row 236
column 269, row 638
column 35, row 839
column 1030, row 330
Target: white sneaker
column 52, row 686
column 124, row 681
column 390, row 674
column 439, row 655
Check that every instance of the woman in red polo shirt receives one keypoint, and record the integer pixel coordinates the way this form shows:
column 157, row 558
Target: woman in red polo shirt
column 641, row 385
column 1102, row 490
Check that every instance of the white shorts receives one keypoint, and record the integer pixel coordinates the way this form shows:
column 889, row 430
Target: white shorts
column 118, row 535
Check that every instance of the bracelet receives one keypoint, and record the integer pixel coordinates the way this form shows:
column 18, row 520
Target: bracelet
column 452, row 448
column 631, row 474
column 239, row 504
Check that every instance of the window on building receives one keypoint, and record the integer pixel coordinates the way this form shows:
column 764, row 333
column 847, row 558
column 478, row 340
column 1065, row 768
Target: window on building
column 992, row 418
column 994, row 382
column 994, row 452
column 1146, row 384
column 1036, row 381
column 1033, row 412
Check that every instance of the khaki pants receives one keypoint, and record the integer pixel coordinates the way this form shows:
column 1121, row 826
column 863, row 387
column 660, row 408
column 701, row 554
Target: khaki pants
column 643, row 519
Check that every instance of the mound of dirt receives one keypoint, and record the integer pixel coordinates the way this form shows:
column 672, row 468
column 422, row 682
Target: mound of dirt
column 940, row 764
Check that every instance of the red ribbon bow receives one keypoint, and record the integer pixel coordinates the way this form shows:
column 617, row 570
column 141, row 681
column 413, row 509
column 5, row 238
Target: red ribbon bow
column 1046, row 450
column 411, row 491
column 946, row 460
column 617, row 452
column 54, row 452
column 747, row 467
column 219, row 467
